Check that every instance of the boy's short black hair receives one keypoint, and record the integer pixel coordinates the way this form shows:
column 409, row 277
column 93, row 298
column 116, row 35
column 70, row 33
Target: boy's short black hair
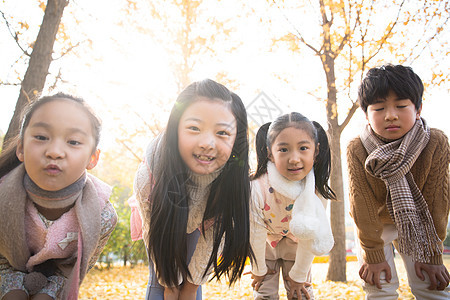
column 400, row 79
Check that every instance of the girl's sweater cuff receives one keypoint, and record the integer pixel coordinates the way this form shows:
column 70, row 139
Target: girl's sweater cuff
column 374, row 256
column 259, row 270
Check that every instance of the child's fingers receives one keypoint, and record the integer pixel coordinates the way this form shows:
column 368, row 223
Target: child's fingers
column 361, row 272
column 433, row 283
column 418, row 270
column 442, row 282
column 256, row 284
column 305, row 292
column 376, row 280
column 446, row 277
column 388, row 275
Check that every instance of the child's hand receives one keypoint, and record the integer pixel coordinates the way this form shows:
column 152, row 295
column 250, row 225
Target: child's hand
column 257, row 280
column 16, row 295
column 438, row 274
column 298, row 288
column 188, row 291
column 370, row 273
column 171, row 293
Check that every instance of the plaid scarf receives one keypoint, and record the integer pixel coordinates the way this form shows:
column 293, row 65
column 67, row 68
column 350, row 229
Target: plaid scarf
column 391, row 161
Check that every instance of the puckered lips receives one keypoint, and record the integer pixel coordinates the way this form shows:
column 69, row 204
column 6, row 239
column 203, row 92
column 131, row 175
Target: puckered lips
column 52, row 169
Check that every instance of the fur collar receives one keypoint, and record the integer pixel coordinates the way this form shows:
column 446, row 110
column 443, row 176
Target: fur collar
column 309, row 220
column 286, row 187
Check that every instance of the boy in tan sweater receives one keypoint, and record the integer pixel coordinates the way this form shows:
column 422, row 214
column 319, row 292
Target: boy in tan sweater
column 399, row 187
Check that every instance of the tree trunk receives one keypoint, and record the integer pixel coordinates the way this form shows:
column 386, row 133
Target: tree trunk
column 337, row 266
column 40, row 59
column 125, row 255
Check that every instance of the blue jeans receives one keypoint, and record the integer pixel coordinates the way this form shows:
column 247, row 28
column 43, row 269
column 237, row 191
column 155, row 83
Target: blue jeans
column 154, row 290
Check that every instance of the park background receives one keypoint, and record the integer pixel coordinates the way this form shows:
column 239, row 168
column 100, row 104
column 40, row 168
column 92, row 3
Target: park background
column 130, row 58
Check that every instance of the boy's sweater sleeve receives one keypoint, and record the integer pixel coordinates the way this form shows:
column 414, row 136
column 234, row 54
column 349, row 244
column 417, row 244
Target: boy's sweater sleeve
column 258, row 231
column 437, row 185
column 362, row 205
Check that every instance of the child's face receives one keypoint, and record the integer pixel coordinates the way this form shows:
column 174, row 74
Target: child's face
column 293, row 153
column 206, row 135
column 57, row 145
column 392, row 118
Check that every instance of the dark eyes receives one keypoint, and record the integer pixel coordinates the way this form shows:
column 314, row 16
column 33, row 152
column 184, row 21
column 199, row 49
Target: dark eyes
column 220, row 132
column 40, row 137
column 44, row 138
column 223, row 132
column 302, row 148
column 74, row 143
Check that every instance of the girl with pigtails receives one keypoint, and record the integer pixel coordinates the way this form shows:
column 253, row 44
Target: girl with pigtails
column 289, row 192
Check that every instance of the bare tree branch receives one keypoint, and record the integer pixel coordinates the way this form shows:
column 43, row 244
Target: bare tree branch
column 299, row 34
column 425, row 44
column 58, row 78
column 9, row 83
column 346, row 36
column 151, row 128
column 129, row 149
column 350, row 114
column 68, row 50
column 386, row 36
column 14, row 35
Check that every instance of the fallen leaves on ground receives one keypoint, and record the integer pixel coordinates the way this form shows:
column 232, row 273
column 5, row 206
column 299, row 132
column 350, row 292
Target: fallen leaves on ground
column 131, row 283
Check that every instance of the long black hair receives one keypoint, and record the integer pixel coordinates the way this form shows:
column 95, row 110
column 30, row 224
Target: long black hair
column 228, row 200
column 267, row 134
column 8, row 157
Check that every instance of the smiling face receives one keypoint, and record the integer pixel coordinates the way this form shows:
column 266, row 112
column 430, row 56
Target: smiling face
column 58, row 145
column 206, row 135
column 392, row 118
column 293, row 153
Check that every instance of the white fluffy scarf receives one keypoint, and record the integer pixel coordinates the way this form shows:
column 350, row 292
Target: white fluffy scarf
column 309, row 220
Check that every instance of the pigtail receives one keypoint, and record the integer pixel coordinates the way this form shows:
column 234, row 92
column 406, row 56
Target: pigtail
column 322, row 164
column 262, row 155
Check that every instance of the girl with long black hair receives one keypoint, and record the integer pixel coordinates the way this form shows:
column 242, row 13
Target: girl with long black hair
column 192, row 193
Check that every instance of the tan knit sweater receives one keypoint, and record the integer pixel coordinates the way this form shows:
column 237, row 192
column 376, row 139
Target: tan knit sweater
column 368, row 194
